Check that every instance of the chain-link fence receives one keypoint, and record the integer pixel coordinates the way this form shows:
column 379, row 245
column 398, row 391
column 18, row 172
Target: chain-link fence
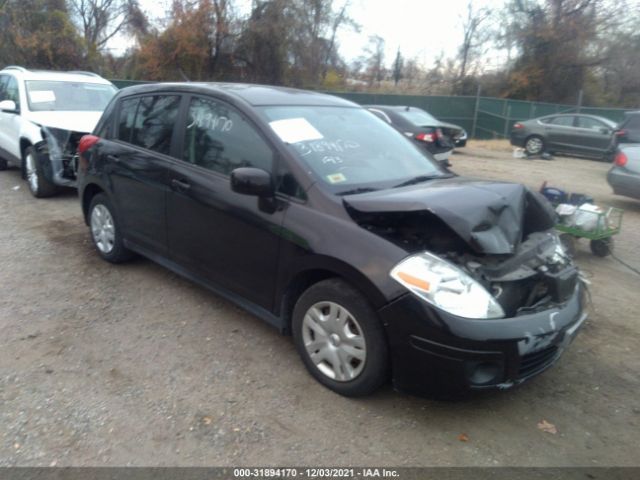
column 481, row 117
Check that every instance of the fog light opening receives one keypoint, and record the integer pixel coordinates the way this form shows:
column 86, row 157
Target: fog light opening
column 485, row 373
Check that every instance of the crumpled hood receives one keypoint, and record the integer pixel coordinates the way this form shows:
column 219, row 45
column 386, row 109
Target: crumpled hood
column 83, row 122
column 492, row 217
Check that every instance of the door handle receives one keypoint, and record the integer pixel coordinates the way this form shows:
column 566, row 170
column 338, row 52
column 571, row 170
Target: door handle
column 180, row 185
column 113, row 158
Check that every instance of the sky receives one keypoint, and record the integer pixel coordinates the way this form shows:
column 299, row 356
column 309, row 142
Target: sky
column 422, row 29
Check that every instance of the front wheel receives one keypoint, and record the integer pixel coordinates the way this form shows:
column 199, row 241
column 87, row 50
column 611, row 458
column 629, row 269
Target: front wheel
column 340, row 338
column 39, row 185
column 105, row 231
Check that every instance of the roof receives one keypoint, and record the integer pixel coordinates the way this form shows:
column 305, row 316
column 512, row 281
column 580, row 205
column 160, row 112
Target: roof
column 256, row 95
column 73, row 76
column 395, row 108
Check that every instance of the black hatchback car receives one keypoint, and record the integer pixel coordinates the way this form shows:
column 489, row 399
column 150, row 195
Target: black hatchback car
column 331, row 225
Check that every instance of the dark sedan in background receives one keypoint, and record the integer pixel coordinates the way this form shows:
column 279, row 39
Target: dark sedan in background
column 629, row 130
column 577, row 134
column 439, row 138
column 624, row 176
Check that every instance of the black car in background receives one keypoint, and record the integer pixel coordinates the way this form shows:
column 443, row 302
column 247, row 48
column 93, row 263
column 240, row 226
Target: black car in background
column 571, row 133
column 329, row 224
column 439, row 138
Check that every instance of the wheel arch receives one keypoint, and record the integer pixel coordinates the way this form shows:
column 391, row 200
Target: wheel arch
column 89, row 191
column 323, row 268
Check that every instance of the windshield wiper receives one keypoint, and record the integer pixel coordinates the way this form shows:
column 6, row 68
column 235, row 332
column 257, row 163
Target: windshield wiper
column 420, row 179
column 357, row 190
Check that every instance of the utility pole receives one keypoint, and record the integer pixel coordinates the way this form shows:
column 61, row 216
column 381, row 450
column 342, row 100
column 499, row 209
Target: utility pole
column 475, row 112
column 580, row 94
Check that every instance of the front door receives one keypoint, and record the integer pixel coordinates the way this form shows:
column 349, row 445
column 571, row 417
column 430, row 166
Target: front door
column 223, row 236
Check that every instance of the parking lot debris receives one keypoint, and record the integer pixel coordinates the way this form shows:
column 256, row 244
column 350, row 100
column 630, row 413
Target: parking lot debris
column 547, row 427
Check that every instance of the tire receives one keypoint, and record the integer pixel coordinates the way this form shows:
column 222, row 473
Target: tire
column 39, row 185
column 3, row 164
column 105, row 231
column 534, row 145
column 602, row 247
column 337, row 321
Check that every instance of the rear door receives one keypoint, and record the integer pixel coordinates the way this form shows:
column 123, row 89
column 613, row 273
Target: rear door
column 561, row 133
column 229, row 239
column 592, row 135
column 137, row 162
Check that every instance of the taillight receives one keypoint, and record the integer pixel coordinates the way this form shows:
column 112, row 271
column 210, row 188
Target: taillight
column 86, row 142
column 620, row 133
column 518, row 125
column 427, row 137
column 620, row 159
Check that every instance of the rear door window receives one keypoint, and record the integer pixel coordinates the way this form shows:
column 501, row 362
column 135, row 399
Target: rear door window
column 154, row 121
column 591, row 123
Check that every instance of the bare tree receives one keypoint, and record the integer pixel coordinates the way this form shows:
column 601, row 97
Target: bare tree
column 375, row 61
column 475, row 35
column 101, row 20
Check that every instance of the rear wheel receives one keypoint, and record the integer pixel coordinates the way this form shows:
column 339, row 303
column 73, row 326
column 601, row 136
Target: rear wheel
column 534, row 145
column 3, row 164
column 340, row 338
column 39, row 185
column 105, row 231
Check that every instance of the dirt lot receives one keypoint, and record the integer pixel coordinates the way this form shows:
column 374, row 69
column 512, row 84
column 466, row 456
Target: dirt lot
column 132, row 365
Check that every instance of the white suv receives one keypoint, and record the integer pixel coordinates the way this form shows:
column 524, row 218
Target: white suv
column 43, row 115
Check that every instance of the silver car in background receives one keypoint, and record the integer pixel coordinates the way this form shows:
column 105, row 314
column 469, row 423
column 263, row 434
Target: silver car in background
column 571, row 133
column 624, row 176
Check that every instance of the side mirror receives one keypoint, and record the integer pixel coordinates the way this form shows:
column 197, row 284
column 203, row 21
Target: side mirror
column 8, row 106
column 605, row 130
column 252, row 181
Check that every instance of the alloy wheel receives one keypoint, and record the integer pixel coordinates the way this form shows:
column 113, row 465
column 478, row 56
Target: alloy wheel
column 32, row 173
column 534, row 145
column 102, row 228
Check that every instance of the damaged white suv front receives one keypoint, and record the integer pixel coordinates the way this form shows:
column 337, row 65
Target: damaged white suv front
column 43, row 115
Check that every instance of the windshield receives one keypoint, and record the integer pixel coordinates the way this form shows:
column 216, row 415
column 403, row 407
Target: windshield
column 68, row 96
column 419, row 117
column 349, row 148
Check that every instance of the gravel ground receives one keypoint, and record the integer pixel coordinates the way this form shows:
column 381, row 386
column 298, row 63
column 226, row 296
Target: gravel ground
column 133, row 365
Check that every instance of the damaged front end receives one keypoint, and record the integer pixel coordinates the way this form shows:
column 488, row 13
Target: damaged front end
column 500, row 234
column 58, row 155
column 507, row 297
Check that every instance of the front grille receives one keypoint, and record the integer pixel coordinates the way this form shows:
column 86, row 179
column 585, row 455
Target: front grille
column 532, row 363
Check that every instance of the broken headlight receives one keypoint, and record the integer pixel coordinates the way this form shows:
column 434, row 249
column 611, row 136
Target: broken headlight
column 446, row 286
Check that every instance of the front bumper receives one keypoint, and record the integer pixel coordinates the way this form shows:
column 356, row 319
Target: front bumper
column 433, row 352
